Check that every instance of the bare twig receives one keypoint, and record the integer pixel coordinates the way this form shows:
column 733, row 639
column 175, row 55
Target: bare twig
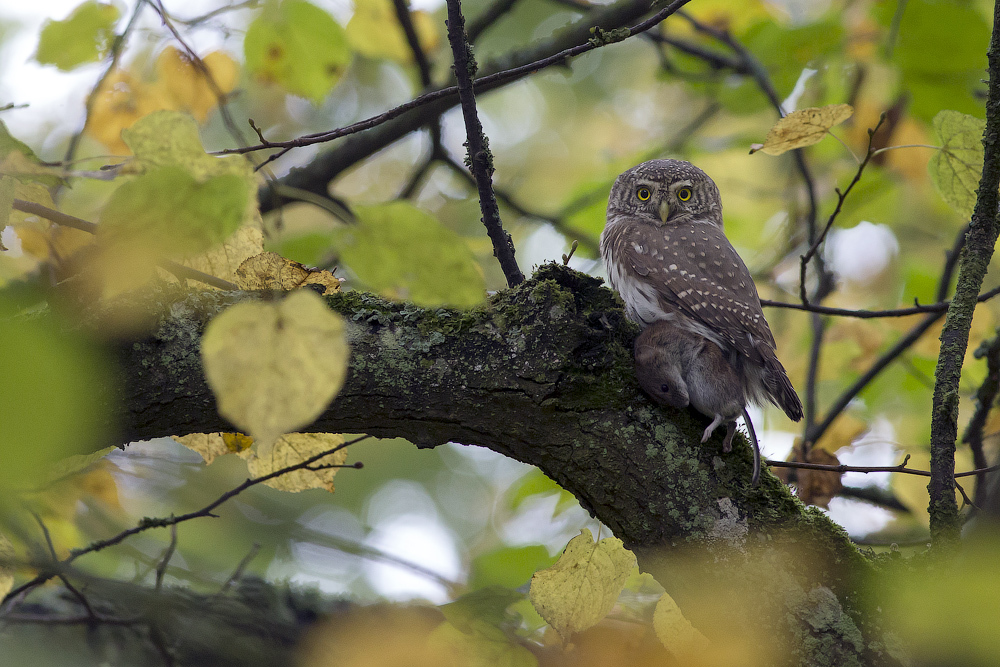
column 480, row 159
column 161, row 566
column 62, row 576
column 841, row 197
column 985, row 398
column 66, row 220
column 221, row 97
column 150, row 523
column 903, row 344
column 945, row 522
column 240, row 568
column 482, row 84
column 405, row 19
column 901, row 468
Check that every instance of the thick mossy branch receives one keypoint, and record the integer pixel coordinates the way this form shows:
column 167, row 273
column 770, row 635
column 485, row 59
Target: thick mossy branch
column 542, row 373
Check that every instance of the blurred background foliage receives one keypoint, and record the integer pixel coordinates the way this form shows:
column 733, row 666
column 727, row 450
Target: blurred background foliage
column 434, row 524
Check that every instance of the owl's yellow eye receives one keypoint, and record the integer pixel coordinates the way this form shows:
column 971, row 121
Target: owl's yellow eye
column 643, row 194
column 684, row 194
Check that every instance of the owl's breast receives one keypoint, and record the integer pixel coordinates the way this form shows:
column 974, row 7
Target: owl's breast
column 642, row 300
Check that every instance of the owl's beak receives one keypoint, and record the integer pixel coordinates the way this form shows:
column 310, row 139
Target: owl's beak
column 664, row 211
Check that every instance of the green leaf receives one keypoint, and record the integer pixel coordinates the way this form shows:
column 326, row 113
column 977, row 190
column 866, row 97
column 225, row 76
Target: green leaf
column 298, row 46
column 956, row 168
column 170, row 212
column 509, row 567
column 52, row 405
column 85, row 36
column 405, row 253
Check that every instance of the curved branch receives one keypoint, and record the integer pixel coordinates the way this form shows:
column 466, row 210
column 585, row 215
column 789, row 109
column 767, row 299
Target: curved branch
column 542, row 373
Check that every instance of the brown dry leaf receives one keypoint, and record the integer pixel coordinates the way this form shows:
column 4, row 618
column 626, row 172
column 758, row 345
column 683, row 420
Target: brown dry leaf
column 271, row 271
column 801, row 128
column 814, row 487
column 294, row 448
column 214, row 445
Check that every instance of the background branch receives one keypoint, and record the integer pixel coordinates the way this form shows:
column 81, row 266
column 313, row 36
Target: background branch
column 480, row 159
column 982, row 237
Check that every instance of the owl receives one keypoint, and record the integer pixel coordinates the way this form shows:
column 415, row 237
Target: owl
column 667, row 256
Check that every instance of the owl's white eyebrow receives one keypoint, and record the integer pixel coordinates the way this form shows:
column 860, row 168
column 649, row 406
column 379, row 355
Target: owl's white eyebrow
column 678, row 184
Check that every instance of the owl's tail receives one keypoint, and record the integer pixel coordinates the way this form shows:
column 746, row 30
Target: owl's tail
column 778, row 387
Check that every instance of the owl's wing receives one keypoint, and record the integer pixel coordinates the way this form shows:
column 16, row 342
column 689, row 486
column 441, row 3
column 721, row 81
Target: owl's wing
column 695, row 270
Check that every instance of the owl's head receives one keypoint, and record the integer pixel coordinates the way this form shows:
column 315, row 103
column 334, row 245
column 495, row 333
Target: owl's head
column 666, row 192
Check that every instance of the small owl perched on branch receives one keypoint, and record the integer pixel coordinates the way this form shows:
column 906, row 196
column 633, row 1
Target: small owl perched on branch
column 669, row 259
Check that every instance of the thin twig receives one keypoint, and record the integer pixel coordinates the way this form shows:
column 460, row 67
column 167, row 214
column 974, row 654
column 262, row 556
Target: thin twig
column 986, row 396
column 508, row 200
column 938, row 307
column 62, row 576
column 903, row 344
column 480, row 159
column 482, row 84
column 150, row 523
column 117, row 46
column 66, row 220
column 841, row 198
column 240, row 568
column 221, row 97
column 161, row 567
column 405, row 19
column 901, row 468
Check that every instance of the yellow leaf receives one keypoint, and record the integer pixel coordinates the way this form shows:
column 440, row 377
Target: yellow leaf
column 294, row 448
column 801, row 128
column 7, row 565
column 271, row 271
column 120, row 101
column 274, row 367
column 374, row 31
column 188, row 86
column 583, row 585
column 676, row 632
column 212, row 445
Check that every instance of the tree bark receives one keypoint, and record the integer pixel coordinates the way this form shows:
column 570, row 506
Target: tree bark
column 543, row 373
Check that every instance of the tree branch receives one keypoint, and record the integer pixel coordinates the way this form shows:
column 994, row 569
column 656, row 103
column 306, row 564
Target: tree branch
column 542, row 373
column 982, row 237
column 396, row 123
column 480, row 159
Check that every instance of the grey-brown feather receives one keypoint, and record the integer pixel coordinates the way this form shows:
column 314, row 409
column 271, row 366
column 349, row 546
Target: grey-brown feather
column 684, row 270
